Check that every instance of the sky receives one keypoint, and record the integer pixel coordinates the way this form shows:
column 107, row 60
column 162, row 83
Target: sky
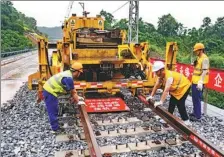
column 189, row 13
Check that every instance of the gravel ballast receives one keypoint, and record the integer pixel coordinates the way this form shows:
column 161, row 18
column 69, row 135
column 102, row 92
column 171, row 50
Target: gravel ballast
column 25, row 128
column 26, row 131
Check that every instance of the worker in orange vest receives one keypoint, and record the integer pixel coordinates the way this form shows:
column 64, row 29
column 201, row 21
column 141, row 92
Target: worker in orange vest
column 148, row 69
column 176, row 84
column 199, row 79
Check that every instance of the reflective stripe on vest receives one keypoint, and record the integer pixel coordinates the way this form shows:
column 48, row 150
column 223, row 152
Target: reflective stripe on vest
column 199, row 70
column 199, row 74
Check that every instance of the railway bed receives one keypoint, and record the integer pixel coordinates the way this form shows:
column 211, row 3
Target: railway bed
column 135, row 133
column 26, row 130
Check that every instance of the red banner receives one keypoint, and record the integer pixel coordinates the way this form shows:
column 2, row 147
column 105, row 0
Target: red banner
column 216, row 76
column 106, row 105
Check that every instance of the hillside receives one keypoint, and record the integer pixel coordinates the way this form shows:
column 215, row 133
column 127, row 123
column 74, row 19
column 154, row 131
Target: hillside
column 169, row 29
column 52, row 32
column 14, row 24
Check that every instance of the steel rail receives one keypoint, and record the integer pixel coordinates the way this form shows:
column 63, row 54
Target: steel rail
column 94, row 149
column 204, row 145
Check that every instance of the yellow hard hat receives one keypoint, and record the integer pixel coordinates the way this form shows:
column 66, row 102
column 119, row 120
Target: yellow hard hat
column 77, row 66
column 198, row 46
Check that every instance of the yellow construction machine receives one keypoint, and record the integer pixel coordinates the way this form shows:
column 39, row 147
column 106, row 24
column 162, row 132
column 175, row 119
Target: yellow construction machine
column 109, row 63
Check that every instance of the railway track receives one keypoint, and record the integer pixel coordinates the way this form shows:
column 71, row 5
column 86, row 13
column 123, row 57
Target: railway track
column 135, row 133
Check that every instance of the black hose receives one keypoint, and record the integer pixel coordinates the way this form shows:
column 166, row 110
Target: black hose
column 46, row 51
column 60, row 57
column 171, row 61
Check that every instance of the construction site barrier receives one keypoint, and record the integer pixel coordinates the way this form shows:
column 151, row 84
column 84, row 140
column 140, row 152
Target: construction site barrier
column 12, row 53
column 16, row 57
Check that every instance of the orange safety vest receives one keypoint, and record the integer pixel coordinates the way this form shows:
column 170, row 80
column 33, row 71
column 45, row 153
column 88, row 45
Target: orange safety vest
column 198, row 70
column 148, row 71
column 180, row 84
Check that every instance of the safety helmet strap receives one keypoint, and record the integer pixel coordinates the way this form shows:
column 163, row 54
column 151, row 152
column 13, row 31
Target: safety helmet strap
column 74, row 70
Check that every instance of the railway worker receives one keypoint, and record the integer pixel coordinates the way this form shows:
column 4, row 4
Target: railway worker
column 199, row 79
column 60, row 84
column 140, row 68
column 148, row 70
column 176, row 84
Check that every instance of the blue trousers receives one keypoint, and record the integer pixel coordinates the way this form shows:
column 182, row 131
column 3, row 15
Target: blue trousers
column 52, row 108
column 196, row 98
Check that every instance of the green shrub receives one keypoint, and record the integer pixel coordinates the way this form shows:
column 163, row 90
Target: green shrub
column 216, row 60
column 216, row 98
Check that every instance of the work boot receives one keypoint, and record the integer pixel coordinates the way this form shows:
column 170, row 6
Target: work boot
column 162, row 121
column 58, row 131
column 194, row 119
column 187, row 122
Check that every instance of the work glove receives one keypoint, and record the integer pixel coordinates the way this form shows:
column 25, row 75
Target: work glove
column 81, row 98
column 149, row 98
column 157, row 103
column 73, row 100
column 200, row 85
column 81, row 103
column 139, row 77
column 159, row 91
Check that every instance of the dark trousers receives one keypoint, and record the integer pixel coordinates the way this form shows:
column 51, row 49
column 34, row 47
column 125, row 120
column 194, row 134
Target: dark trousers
column 52, row 108
column 196, row 98
column 180, row 105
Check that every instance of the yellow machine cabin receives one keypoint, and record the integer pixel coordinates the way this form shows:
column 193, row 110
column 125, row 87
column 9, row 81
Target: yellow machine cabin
column 105, row 56
column 109, row 63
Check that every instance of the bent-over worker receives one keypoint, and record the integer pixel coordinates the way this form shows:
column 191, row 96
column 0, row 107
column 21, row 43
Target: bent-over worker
column 176, row 84
column 57, row 85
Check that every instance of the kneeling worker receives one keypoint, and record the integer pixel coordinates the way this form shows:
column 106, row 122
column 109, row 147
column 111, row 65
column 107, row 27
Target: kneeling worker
column 176, row 84
column 60, row 84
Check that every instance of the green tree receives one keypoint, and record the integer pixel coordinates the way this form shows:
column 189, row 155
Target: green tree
column 169, row 29
column 206, row 22
column 109, row 19
column 13, row 24
column 168, row 26
column 5, row 21
column 220, row 22
column 122, row 24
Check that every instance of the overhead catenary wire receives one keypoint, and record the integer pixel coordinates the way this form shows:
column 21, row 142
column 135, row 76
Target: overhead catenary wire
column 120, row 7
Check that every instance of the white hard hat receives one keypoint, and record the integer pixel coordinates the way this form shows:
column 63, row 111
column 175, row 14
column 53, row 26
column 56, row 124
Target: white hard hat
column 157, row 66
